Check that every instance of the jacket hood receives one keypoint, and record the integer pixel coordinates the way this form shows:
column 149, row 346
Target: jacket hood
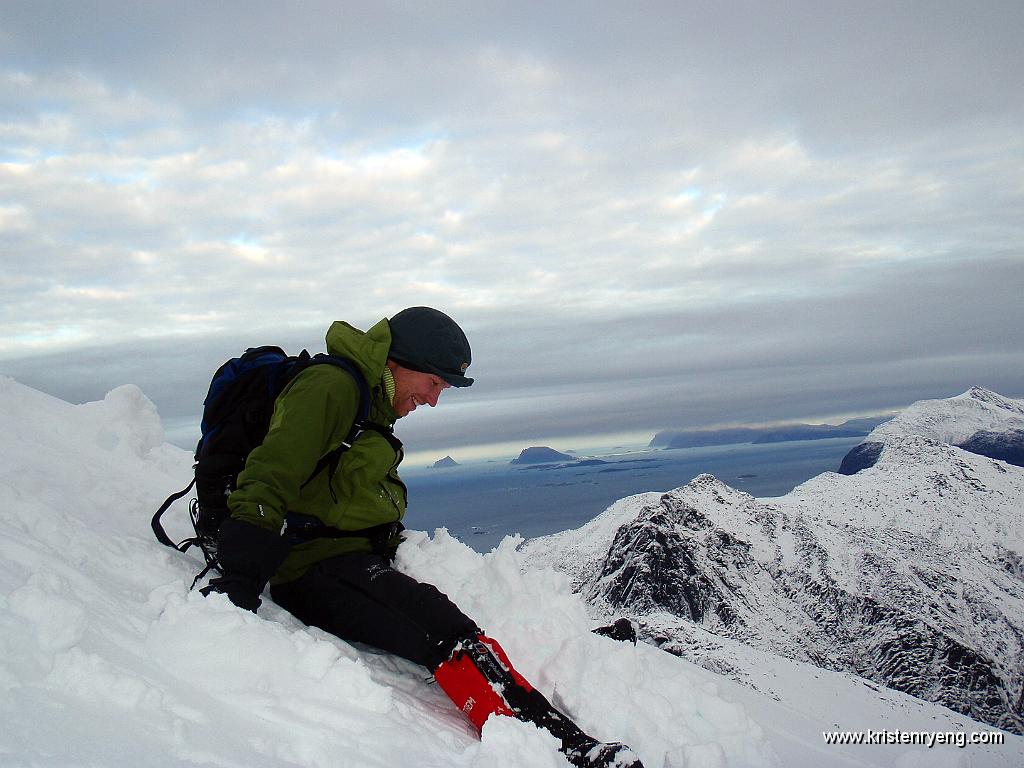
column 367, row 349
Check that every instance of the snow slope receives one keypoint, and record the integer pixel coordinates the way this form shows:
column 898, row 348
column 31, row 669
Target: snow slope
column 107, row 659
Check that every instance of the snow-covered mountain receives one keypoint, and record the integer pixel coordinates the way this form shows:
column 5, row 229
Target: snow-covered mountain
column 107, row 659
column 980, row 421
column 909, row 573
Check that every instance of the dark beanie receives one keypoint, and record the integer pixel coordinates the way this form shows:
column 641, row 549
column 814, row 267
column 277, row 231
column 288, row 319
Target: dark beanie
column 427, row 340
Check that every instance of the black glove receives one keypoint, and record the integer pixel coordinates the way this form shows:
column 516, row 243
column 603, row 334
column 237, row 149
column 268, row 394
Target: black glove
column 241, row 591
column 248, row 556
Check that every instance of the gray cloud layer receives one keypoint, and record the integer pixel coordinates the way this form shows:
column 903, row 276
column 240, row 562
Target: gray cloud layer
column 666, row 215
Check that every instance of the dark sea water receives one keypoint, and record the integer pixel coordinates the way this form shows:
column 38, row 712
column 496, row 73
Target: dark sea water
column 482, row 503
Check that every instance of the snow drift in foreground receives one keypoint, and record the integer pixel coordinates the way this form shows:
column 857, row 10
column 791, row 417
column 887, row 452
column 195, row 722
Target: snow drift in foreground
column 107, row 659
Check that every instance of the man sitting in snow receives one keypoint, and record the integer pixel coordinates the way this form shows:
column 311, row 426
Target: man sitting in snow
column 332, row 567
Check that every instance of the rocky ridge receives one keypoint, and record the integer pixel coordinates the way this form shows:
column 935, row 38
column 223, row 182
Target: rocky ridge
column 909, row 574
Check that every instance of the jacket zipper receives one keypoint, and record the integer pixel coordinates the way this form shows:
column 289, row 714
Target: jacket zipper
column 399, row 455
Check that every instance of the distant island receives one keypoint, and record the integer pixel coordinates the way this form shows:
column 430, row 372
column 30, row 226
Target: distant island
column 541, row 455
column 694, row 438
column 447, row 461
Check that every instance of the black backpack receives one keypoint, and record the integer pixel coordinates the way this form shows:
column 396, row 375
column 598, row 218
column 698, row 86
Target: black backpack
column 236, row 418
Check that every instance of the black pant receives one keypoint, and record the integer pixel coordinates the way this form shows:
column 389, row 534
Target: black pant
column 361, row 598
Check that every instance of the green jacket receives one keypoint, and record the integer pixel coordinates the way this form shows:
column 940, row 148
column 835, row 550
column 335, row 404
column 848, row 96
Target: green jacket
column 312, row 416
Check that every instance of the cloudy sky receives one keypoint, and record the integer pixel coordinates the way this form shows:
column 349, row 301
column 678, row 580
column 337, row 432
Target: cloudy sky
column 644, row 215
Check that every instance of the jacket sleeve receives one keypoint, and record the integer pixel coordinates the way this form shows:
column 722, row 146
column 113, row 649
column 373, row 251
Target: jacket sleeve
column 313, row 415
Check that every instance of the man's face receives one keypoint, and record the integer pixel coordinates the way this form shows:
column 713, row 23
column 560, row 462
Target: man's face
column 413, row 388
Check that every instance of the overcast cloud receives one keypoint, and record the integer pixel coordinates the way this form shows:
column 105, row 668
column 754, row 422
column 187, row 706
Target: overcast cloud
column 645, row 215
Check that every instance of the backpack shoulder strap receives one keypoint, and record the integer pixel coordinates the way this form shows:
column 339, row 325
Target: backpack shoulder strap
column 332, row 457
column 158, row 529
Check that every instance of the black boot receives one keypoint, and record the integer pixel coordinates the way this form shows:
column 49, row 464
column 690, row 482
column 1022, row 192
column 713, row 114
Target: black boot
column 603, row 755
column 530, row 705
column 622, row 630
